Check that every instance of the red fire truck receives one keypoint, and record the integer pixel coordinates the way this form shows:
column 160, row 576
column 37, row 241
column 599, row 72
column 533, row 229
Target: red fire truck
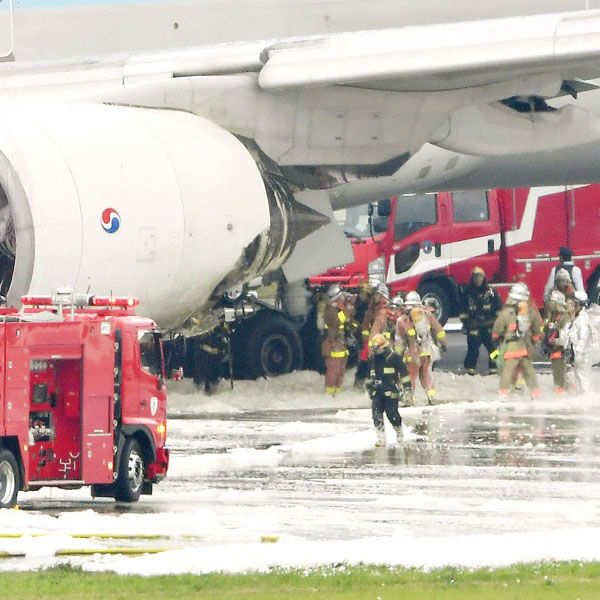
column 82, row 398
column 431, row 242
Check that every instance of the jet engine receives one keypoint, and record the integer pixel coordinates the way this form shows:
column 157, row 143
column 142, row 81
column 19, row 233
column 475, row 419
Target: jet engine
column 159, row 204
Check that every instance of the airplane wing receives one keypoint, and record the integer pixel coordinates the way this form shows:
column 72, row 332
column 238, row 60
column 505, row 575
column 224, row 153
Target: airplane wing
column 441, row 56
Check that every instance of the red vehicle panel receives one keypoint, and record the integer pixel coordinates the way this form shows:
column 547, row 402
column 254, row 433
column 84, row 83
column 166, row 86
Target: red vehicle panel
column 81, row 401
column 432, row 242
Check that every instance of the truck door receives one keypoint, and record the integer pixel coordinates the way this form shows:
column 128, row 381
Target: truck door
column 420, row 237
column 475, row 234
column 97, row 437
column 152, row 396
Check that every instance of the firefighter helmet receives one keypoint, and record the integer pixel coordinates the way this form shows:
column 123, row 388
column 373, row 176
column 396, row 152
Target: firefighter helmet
column 397, row 301
column 562, row 274
column 478, row 271
column 379, row 342
column 558, row 299
column 334, row 292
column 412, row 299
column 519, row 292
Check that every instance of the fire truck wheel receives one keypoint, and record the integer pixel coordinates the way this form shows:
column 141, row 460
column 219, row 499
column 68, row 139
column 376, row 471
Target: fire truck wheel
column 435, row 295
column 9, row 479
column 130, row 481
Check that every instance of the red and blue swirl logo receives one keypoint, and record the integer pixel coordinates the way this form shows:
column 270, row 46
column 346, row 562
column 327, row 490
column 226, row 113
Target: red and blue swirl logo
column 111, row 220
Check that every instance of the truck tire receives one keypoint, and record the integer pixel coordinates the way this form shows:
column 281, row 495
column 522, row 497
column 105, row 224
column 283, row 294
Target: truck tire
column 273, row 347
column 9, row 479
column 132, row 469
column 434, row 295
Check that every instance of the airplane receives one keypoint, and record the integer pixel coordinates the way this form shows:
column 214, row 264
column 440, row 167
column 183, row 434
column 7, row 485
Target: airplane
column 169, row 150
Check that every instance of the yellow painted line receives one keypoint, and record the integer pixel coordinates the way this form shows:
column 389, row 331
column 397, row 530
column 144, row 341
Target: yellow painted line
column 120, row 536
column 126, row 551
column 101, row 536
column 12, row 555
column 269, row 539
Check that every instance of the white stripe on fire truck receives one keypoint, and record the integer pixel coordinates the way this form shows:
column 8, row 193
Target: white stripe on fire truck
column 468, row 249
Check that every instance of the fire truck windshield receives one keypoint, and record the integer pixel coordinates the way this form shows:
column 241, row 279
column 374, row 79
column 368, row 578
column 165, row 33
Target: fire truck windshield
column 414, row 212
column 356, row 223
column 150, row 352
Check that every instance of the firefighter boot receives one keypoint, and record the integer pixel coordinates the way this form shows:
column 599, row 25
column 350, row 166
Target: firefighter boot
column 431, row 392
column 399, row 434
column 379, row 438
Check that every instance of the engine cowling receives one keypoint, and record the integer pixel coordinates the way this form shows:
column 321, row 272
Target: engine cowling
column 158, row 204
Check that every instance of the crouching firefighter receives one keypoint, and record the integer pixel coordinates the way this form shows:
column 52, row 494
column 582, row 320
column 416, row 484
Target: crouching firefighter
column 388, row 382
column 518, row 329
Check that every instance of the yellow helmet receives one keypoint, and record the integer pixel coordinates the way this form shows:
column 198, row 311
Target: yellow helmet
column 379, row 342
column 478, row 271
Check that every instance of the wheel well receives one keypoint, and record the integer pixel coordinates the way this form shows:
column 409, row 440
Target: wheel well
column 12, row 443
column 450, row 287
column 144, row 439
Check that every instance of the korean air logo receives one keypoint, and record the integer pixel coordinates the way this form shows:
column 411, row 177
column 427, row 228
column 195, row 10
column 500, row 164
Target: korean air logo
column 111, row 220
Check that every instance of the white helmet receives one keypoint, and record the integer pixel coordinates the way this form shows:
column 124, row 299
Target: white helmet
column 558, row 298
column 519, row 292
column 412, row 299
column 397, row 301
column 383, row 290
column 334, row 292
column 562, row 274
column 581, row 297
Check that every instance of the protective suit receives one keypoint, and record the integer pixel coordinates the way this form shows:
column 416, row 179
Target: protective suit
column 388, row 382
column 361, row 305
column 420, row 344
column 580, row 340
column 516, row 330
column 479, row 307
column 333, row 348
column 555, row 329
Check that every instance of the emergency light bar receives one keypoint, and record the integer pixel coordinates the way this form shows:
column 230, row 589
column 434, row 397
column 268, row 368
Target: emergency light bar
column 36, row 300
column 119, row 301
column 79, row 300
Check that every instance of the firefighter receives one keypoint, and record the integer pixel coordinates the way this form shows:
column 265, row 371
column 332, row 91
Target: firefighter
column 388, row 382
column 565, row 262
column 579, row 341
column 480, row 306
column 421, row 344
column 518, row 329
column 562, row 283
column 210, row 354
column 555, row 328
column 363, row 300
column 375, row 320
column 333, row 348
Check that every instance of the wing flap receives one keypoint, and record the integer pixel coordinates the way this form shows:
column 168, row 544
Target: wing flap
column 441, row 56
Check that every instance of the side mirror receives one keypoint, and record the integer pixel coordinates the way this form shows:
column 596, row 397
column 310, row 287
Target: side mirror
column 384, row 207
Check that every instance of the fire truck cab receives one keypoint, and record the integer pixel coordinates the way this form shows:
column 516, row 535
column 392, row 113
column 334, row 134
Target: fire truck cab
column 82, row 398
column 432, row 242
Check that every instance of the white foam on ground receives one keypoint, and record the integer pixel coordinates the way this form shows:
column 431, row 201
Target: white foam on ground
column 229, row 522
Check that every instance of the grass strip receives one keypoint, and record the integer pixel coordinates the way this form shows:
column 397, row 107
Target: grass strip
column 545, row 581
